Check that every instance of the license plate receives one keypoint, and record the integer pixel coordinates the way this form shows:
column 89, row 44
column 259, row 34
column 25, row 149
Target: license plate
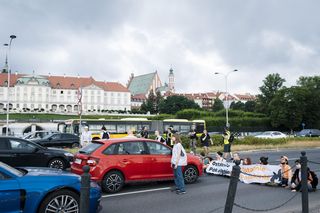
column 78, row 161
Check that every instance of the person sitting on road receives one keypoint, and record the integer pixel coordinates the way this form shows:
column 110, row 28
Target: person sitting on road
column 286, row 172
column 206, row 162
column 296, row 179
column 236, row 157
column 264, row 160
column 219, row 157
column 247, row 161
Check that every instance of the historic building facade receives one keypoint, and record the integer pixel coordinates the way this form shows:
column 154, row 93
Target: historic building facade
column 40, row 93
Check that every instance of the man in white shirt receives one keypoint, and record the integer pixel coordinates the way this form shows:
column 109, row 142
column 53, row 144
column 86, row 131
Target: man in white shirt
column 178, row 159
column 85, row 138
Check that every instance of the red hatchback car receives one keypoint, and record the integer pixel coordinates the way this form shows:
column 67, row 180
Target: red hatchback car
column 115, row 162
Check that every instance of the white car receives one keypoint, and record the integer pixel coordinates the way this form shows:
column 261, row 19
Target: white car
column 271, row 134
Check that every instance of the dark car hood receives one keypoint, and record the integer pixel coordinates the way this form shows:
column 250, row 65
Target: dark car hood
column 38, row 171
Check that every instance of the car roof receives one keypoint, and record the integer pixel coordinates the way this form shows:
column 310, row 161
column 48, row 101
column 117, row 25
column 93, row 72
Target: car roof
column 120, row 140
column 28, row 141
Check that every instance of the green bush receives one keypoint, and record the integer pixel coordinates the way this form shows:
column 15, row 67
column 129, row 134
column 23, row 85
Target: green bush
column 260, row 141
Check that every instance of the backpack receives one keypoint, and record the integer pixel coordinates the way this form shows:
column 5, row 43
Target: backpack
column 231, row 138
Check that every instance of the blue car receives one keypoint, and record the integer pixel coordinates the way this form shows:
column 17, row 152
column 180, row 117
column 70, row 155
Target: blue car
column 42, row 190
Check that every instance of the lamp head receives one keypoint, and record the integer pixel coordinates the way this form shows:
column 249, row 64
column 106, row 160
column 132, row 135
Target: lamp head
column 5, row 44
column 216, row 73
column 13, row 36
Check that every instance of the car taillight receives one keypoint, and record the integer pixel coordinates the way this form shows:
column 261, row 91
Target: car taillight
column 93, row 161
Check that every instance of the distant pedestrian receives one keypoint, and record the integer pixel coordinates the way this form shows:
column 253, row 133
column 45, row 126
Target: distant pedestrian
column 144, row 132
column 205, row 141
column 193, row 140
column 178, row 160
column 130, row 134
column 85, row 138
column 159, row 137
column 226, row 143
column 169, row 135
column 104, row 134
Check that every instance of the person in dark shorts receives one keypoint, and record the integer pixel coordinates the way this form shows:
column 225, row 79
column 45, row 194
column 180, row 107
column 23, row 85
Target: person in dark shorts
column 205, row 141
column 226, row 143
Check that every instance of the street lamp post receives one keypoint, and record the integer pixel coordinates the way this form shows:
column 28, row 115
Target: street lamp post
column 9, row 72
column 227, row 94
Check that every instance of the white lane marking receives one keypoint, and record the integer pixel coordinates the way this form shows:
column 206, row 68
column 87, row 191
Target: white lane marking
column 136, row 192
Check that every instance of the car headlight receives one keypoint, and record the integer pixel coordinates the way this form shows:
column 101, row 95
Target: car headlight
column 68, row 154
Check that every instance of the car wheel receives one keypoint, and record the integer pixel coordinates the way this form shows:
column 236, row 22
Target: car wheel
column 190, row 174
column 57, row 163
column 112, row 182
column 75, row 145
column 60, row 201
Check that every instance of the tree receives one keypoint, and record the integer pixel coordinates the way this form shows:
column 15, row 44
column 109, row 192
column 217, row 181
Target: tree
column 271, row 85
column 149, row 104
column 237, row 105
column 158, row 100
column 311, row 86
column 250, row 106
column 287, row 108
column 217, row 105
column 175, row 103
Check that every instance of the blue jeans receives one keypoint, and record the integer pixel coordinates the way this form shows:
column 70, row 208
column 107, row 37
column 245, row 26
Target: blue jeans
column 178, row 178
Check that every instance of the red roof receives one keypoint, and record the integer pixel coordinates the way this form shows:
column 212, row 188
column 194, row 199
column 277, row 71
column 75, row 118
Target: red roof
column 4, row 79
column 138, row 97
column 68, row 82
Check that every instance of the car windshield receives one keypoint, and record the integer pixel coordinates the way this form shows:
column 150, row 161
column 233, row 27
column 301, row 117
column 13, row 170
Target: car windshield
column 266, row 133
column 47, row 136
column 90, row 148
column 11, row 169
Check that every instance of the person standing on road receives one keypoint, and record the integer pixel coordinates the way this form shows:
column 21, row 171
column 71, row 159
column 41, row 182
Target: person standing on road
column 144, row 132
column 178, row 160
column 85, row 138
column 226, row 143
column 159, row 137
column 168, row 137
column 193, row 140
column 104, row 134
column 205, row 140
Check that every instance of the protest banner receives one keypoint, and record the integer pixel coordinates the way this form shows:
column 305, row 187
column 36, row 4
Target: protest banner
column 255, row 173
column 220, row 168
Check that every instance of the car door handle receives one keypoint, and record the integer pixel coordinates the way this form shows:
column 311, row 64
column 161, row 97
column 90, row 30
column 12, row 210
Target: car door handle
column 125, row 161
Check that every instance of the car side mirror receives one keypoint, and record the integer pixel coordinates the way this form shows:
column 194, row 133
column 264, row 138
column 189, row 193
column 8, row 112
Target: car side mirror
column 49, row 139
column 36, row 149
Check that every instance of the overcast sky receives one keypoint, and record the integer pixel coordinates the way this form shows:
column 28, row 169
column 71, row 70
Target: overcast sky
column 109, row 40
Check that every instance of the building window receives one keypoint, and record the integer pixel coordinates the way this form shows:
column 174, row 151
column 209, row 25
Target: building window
column 61, row 92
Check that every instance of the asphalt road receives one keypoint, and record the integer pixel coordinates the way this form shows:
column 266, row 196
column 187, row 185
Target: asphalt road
column 208, row 195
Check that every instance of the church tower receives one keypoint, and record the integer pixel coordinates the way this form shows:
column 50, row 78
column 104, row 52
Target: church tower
column 171, row 80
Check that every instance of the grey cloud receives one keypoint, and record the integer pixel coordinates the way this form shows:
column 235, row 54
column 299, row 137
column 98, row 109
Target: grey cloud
column 110, row 39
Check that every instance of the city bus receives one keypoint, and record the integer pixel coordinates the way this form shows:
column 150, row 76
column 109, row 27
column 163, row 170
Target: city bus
column 119, row 127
